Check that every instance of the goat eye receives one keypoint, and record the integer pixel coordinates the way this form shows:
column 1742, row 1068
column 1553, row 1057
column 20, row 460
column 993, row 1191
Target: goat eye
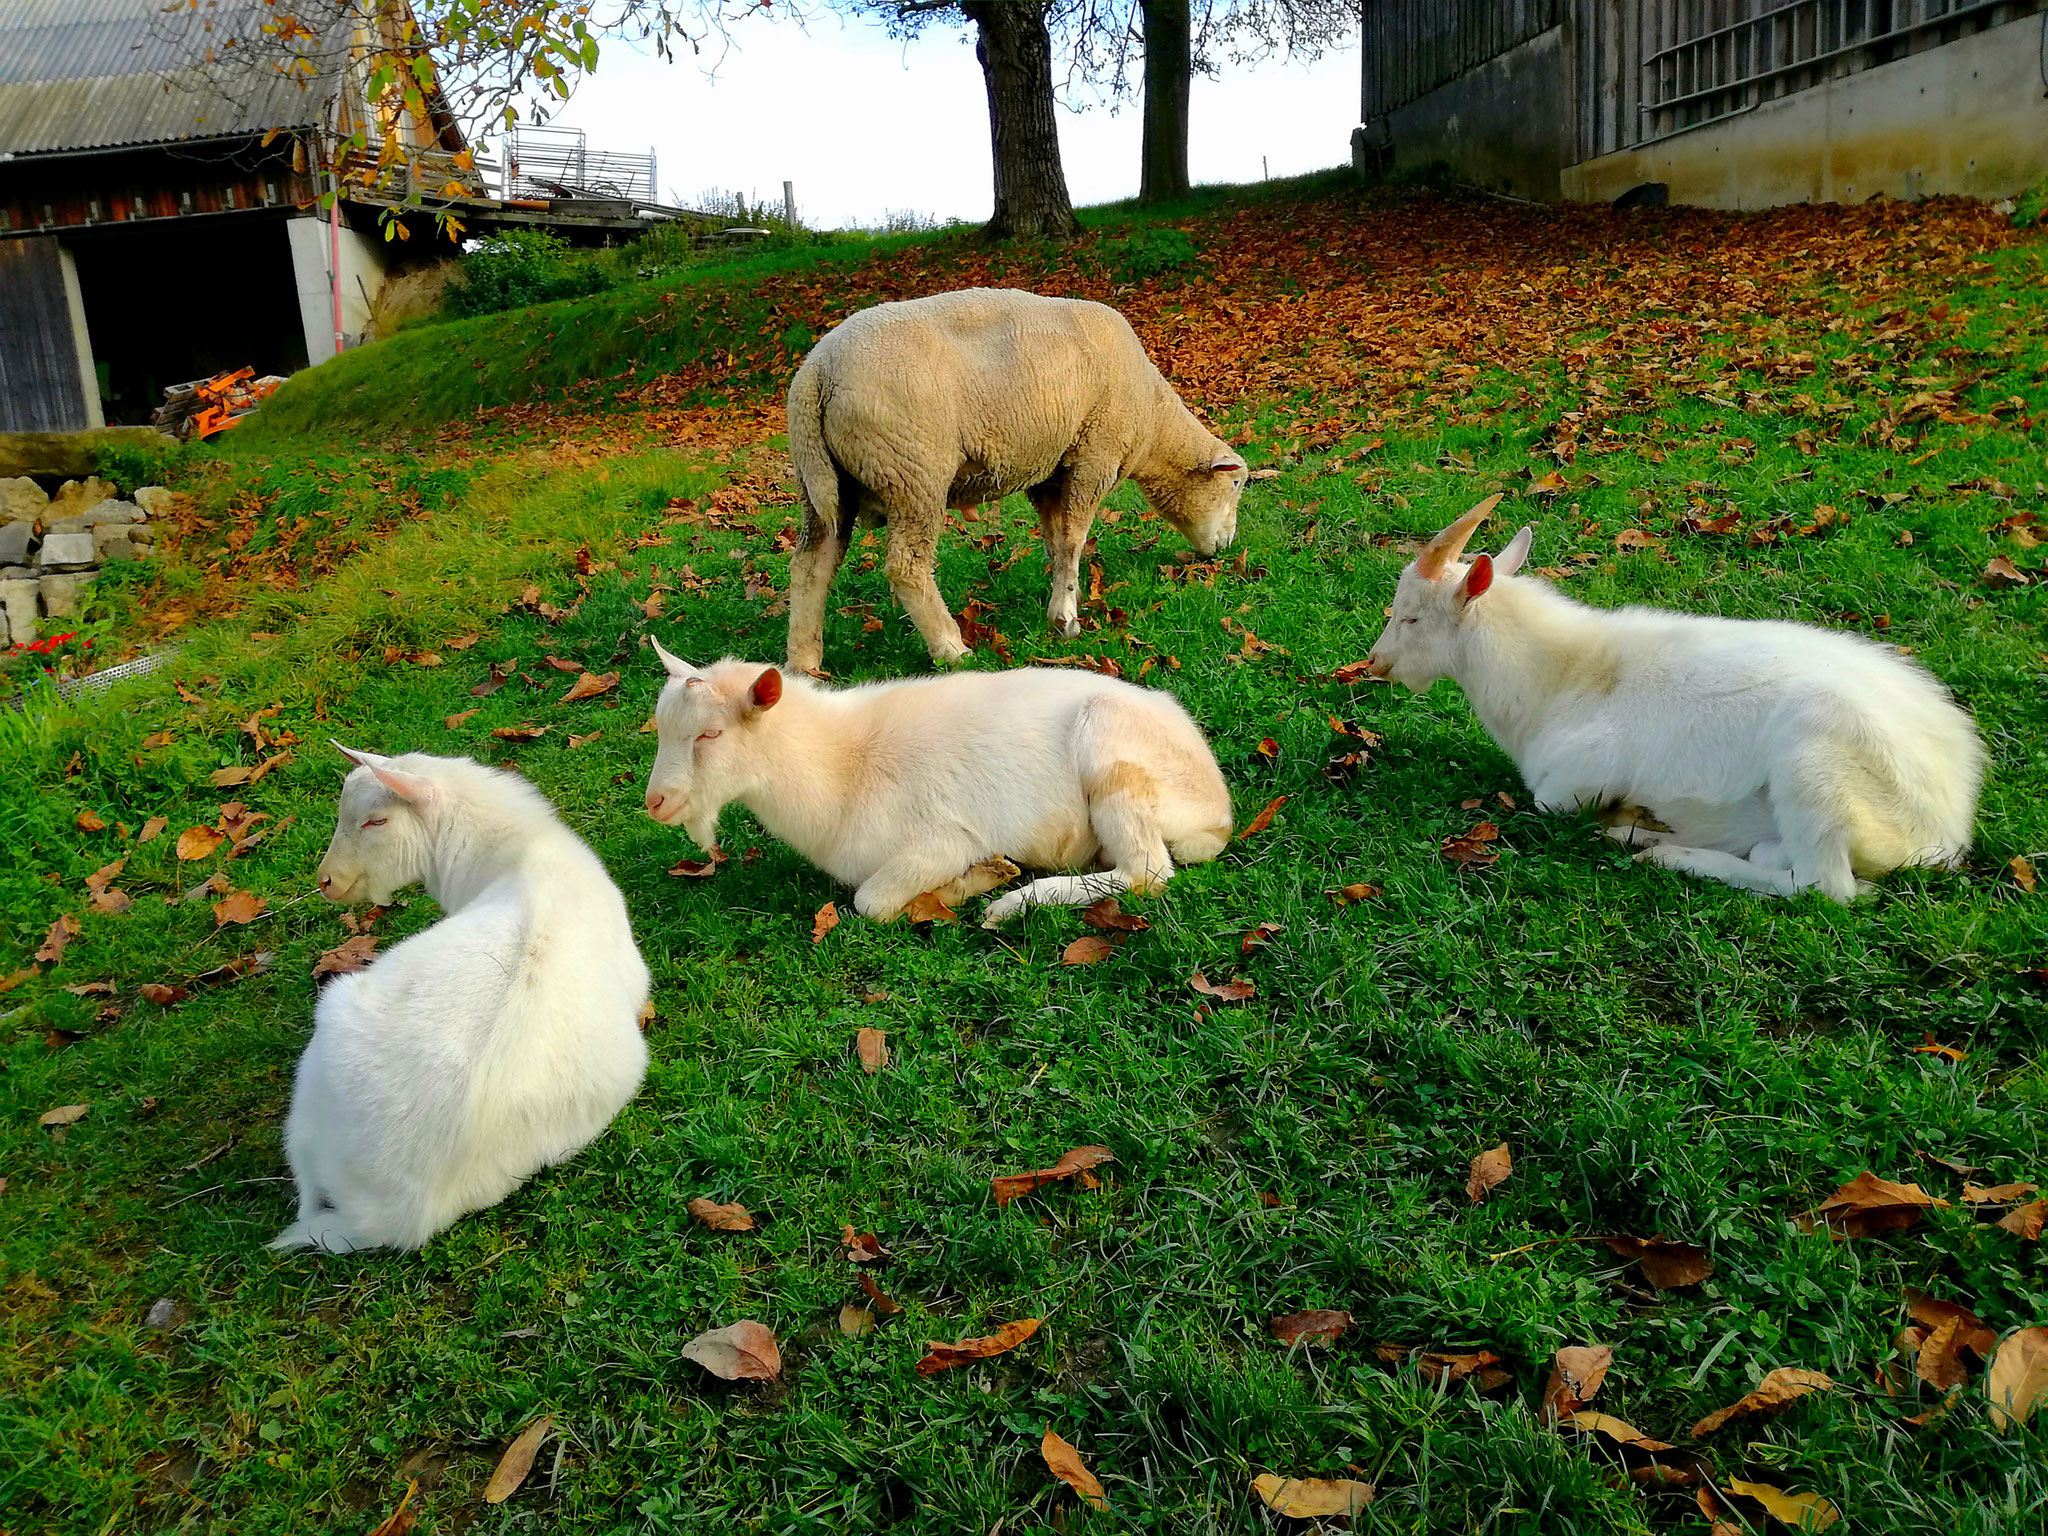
column 1407, row 621
column 710, row 735
column 376, row 821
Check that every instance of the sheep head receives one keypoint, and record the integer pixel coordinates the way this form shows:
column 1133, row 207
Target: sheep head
column 1200, row 500
column 700, row 762
column 1433, row 600
column 380, row 830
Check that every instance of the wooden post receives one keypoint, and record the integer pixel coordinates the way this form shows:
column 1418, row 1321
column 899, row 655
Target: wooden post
column 789, row 203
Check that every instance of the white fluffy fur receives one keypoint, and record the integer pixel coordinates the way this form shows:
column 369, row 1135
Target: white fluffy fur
column 500, row 1040
column 903, row 787
column 957, row 399
column 1770, row 756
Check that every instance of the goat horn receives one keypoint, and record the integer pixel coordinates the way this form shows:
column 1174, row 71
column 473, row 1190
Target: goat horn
column 1449, row 544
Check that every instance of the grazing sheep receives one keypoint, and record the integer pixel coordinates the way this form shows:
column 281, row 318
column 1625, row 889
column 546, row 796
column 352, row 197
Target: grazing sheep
column 1766, row 755
column 464, row 1059
column 906, row 409
column 930, row 784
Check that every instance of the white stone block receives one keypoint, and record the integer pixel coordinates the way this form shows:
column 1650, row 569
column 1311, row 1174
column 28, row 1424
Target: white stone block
column 66, row 549
column 18, row 600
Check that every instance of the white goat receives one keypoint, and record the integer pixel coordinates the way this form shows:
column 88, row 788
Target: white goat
column 1766, row 755
column 926, row 784
column 500, row 1040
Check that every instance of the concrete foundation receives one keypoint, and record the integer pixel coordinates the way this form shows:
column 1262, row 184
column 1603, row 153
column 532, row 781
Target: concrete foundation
column 313, row 243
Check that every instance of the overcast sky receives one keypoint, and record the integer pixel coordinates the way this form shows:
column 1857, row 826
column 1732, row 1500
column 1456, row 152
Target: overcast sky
column 864, row 125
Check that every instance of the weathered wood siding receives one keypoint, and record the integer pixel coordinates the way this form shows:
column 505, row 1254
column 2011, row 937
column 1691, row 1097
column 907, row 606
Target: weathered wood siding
column 40, row 388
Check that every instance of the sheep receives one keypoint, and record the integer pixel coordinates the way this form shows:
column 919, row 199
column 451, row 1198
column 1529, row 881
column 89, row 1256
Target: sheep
column 500, row 1040
column 907, row 409
column 1770, row 756
column 934, row 784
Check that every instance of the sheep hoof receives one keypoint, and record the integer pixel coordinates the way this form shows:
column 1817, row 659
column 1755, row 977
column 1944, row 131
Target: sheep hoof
column 958, row 658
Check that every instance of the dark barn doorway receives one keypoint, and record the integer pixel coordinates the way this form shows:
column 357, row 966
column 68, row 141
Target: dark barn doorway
column 183, row 300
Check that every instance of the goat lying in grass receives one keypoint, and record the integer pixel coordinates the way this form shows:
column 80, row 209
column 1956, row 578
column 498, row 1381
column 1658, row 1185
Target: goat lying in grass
column 1765, row 755
column 928, row 784
column 500, row 1040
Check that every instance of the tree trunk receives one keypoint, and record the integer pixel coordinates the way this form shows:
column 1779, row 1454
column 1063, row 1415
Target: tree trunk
column 1015, row 51
column 1169, row 67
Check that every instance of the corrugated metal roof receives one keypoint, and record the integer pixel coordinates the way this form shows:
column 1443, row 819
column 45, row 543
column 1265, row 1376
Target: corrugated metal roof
column 88, row 74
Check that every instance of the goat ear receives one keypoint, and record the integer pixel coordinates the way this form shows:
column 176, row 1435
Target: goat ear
column 1509, row 560
column 766, row 690
column 407, row 786
column 360, row 759
column 677, row 667
column 1478, row 577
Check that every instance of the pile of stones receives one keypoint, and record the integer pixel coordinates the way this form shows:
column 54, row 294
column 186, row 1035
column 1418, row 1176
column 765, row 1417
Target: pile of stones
column 52, row 547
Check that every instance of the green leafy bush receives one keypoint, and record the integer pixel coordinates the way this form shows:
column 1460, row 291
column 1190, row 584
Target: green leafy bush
column 2031, row 206
column 1149, row 253
column 522, row 267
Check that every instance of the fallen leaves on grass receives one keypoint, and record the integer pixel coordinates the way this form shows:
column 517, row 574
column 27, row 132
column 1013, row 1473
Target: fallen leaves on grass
column 15, row 979
column 500, row 672
column 526, row 732
column 925, row 907
column 2025, row 1221
column 1785, row 1385
column 247, row 773
column 1264, row 819
column 1931, row 1047
column 1264, row 933
column 1475, row 847
column 61, row 932
column 1236, row 991
column 1108, row 915
column 1011, row 1186
column 2023, row 873
column 455, row 721
column 2018, row 1378
column 583, row 741
column 1997, row 1194
column 861, row 1247
column 1311, row 1498
column 695, row 869
column 885, row 1306
column 103, row 899
column 1089, row 949
column 590, row 685
column 1345, row 895
column 872, row 1046
column 64, row 1114
column 1319, row 1326
column 239, row 907
column 1619, row 1431
column 152, row 829
column 943, row 1356
column 1801, row 1511
column 517, row 1461
column 163, row 996
column 1576, row 1373
column 825, row 920
column 2000, row 573
column 349, row 955
column 742, row 1351
column 1066, row 1465
column 402, row 1519
column 732, row 1217
column 91, row 821
column 1489, row 1168
column 195, row 843
column 237, row 969
column 1443, row 1368
column 1665, row 1264
column 855, row 1321
column 1867, row 1205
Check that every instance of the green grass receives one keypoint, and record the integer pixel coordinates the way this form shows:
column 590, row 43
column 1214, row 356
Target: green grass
column 1661, row 1055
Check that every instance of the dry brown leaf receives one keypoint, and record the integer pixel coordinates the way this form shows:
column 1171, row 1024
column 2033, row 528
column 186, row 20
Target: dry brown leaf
column 61, row 932
column 1960, row 1170
column 238, row 907
column 1867, row 1205
column 1666, row 1264
column 1089, row 949
column 1936, row 1361
column 64, row 1114
column 695, row 869
column 1475, row 847
column 1264, row 933
column 196, row 843
column 14, row 979
column 1576, row 1373
column 1800, row 1511
column 163, row 996
column 2000, row 573
column 527, row 732
column 1439, row 1367
column 1617, row 1430
column 583, row 741
column 925, row 907
column 455, row 721
column 1785, row 1385
column 721, row 1218
column 943, row 1356
column 742, row 1351
column 402, row 1519
column 1319, row 1326
column 2026, row 1221
column 589, row 686
column 2022, row 873
column 1066, row 1465
column 884, row 1306
column 1997, row 1194
column 1636, row 538
column 861, row 1247
column 237, row 969
column 1264, row 819
column 1010, row 1186
column 824, row 922
column 1224, row 991
column 1932, row 1047
column 1345, row 895
column 349, row 955
column 1108, row 915
column 1311, row 1498
column 517, row 1461
column 872, row 1045
column 2018, row 1378
column 855, row 1321
column 91, row 821
column 1488, row 1169
column 152, row 829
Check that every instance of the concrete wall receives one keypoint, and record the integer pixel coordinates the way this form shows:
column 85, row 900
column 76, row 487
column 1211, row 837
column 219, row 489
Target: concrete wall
column 1965, row 118
column 81, row 342
column 1507, row 125
column 361, row 275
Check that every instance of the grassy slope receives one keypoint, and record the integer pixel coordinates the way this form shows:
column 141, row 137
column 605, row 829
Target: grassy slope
column 1660, row 1055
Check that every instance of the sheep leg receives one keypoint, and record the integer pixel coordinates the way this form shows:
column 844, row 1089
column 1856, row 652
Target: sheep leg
column 811, row 570
column 913, row 541
column 1066, row 506
column 884, row 894
column 1056, row 891
column 1728, row 868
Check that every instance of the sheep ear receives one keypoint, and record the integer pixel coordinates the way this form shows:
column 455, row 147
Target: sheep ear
column 677, row 667
column 1509, row 560
column 766, row 690
column 1478, row 577
column 1222, row 464
column 1450, row 543
column 407, row 786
